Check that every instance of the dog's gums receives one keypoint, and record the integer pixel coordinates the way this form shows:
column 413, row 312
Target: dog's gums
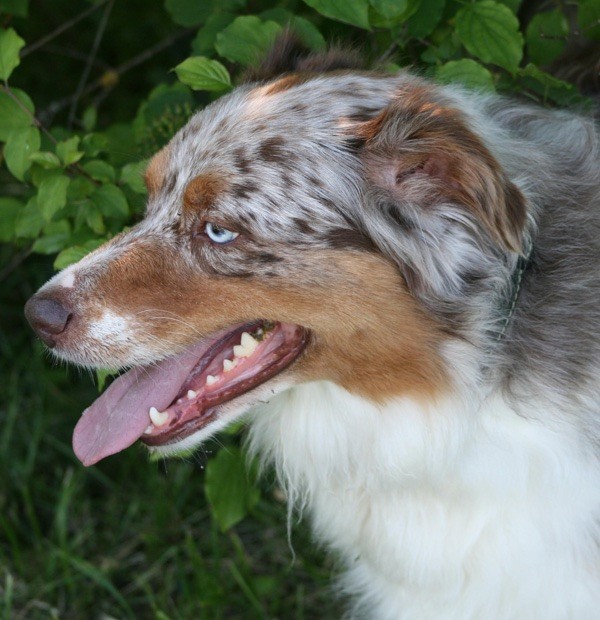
column 166, row 402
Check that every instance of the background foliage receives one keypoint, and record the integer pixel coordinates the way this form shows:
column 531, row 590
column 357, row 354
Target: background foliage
column 89, row 90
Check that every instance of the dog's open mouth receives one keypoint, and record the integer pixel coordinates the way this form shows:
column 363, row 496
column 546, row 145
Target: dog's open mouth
column 166, row 402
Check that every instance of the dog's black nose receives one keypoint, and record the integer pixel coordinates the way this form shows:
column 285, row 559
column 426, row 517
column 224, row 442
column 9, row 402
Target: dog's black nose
column 48, row 317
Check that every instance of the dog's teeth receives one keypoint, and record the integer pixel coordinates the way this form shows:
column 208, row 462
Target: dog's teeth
column 246, row 347
column 191, row 394
column 149, row 429
column 210, row 379
column 228, row 365
column 159, row 418
column 239, row 351
column 249, row 342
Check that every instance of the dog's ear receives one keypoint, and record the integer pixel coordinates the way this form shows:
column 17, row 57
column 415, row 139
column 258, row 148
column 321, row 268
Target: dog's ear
column 289, row 54
column 421, row 151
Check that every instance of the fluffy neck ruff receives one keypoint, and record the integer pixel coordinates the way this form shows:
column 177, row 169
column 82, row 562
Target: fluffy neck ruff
column 464, row 505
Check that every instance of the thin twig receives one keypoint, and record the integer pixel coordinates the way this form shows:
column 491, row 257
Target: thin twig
column 15, row 261
column 67, row 52
column 62, row 28
column 88, row 67
column 151, row 51
column 387, row 54
column 118, row 71
column 35, row 120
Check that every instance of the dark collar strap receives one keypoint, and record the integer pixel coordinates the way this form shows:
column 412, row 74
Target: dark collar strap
column 516, row 281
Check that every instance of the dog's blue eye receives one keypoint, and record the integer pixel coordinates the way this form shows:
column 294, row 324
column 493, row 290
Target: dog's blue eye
column 218, row 234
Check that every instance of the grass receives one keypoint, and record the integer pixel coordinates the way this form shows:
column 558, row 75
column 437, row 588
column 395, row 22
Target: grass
column 127, row 538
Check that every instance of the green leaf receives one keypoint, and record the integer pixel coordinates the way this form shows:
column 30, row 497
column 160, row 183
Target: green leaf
column 76, row 252
column 45, row 159
column 94, row 218
column 110, row 201
column 444, row 46
column 188, row 12
column 195, row 12
column 490, row 31
column 426, row 18
column 52, row 195
column 80, row 188
column 228, row 488
column 201, row 73
column 355, row 12
column 546, row 36
column 306, row 30
column 549, row 87
column 10, row 46
column 18, row 8
column 589, row 18
column 29, row 222
column 513, row 5
column 100, row 171
column 21, row 144
column 466, row 72
column 204, row 41
column 13, row 115
column 390, row 9
column 89, row 118
column 95, row 143
column 10, row 208
column 133, row 176
column 102, row 374
column 167, row 109
column 68, row 151
column 54, row 237
column 246, row 39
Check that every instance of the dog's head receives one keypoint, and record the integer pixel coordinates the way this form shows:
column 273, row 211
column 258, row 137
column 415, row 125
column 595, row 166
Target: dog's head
column 300, row 228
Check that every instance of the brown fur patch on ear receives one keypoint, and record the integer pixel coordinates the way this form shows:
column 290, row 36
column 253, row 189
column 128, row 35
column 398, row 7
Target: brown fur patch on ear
column 421, row 149
column 284, row 83
column 154, row 176
column 203, row 191
column 289, row 54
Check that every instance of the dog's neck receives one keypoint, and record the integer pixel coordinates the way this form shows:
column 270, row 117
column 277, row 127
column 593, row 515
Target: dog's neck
column 422, row 495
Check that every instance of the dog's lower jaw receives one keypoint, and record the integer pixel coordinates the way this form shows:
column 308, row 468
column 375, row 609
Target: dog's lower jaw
column 454, row 510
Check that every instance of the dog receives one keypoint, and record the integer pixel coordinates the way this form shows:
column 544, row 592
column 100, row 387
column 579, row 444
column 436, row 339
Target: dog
column 396, row 284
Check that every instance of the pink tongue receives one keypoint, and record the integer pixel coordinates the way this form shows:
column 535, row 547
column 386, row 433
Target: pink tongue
column 120, row 415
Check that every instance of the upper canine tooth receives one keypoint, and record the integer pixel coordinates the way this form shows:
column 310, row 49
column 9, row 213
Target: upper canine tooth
column 246, row 347
column 210, row 379
column 249, row 342
column 228, row 365
column 159, row 418
column 191, row 394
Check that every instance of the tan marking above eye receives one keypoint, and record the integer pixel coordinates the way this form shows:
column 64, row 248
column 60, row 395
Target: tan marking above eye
column 155, row 174
column 203, row 191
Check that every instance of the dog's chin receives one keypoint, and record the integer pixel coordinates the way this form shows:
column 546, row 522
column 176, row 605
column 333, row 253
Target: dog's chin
column 175, row 404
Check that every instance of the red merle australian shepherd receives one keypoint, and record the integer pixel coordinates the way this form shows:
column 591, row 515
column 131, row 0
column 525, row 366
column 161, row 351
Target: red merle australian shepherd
column 397, row 285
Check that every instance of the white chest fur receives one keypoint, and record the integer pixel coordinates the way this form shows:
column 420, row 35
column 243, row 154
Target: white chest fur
column 458, row 510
